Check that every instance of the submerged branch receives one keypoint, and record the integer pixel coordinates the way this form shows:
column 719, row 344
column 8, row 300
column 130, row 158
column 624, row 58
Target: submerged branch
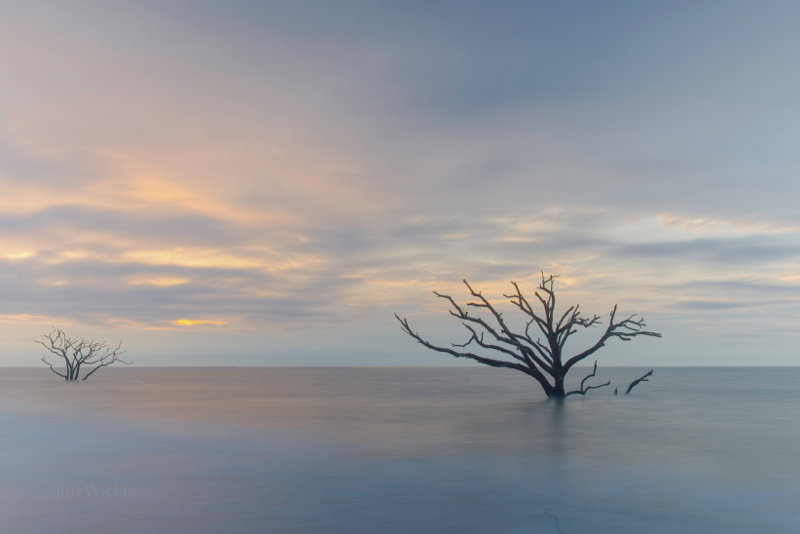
column 639, row 380
column 584, row 389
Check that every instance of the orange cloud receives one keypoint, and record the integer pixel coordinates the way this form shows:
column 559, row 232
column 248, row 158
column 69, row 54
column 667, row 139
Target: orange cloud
column 257, row 258
column 191, row 258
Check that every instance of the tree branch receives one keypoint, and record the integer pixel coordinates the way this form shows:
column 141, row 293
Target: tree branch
column 531, row 358
column 44, row 359
column 533, row 372
column 625, row 330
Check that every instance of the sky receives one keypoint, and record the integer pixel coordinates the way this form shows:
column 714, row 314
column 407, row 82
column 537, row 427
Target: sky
column 267, row 183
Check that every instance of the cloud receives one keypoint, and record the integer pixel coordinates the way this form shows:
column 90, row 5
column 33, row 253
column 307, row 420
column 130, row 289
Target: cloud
column 748, row 250
column 273, row 167
column 721, row 305
column 68, row 222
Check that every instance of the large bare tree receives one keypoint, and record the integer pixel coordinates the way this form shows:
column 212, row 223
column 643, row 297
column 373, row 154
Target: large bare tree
column 537, row 349
column 78, row 355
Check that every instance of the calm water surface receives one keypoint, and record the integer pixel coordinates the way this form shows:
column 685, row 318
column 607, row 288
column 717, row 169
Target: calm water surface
column 398, row 450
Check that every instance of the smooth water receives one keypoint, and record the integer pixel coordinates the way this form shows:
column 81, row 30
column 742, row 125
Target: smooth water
column 301, row 450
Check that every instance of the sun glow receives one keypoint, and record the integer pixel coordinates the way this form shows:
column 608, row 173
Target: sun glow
column 193, row 322
column 21, row 255
column 158, row 281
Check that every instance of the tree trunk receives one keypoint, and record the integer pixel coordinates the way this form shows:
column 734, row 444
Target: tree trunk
column 556, row 391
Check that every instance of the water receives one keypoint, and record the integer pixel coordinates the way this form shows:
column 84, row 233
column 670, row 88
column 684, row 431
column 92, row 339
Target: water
column 398, row 450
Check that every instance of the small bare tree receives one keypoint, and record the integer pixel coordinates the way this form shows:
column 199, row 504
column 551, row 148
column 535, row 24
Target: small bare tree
column 78, row 355
column 540, row 354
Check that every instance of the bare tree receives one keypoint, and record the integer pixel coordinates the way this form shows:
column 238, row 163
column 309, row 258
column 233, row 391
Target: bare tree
column 538, row 350
column 78, row 355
